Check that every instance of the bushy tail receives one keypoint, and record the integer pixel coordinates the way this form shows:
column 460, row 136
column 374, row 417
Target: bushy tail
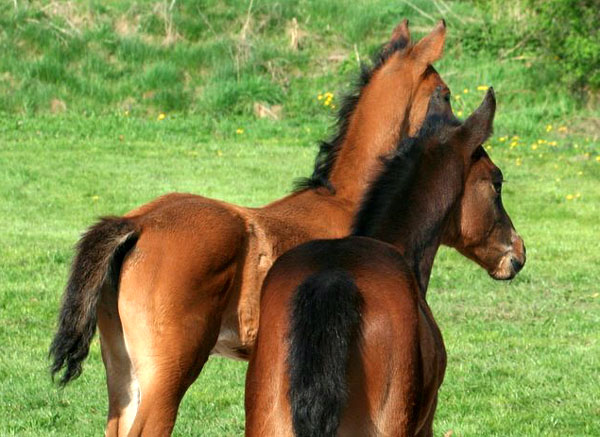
column 326, row 315
column 98, row 259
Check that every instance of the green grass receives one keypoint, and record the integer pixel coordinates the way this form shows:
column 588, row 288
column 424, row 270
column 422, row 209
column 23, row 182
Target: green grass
column 524, row 356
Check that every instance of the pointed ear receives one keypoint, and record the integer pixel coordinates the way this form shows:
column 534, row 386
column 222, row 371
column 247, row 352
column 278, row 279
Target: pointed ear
column 478, row 127
column 400, row 35
column 437, row 104
column 431, row 47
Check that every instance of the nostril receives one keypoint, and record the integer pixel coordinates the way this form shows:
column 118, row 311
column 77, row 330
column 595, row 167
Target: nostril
column 516, row 265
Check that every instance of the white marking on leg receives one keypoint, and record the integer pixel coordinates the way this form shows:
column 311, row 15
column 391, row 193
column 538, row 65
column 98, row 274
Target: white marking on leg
column 133, row 394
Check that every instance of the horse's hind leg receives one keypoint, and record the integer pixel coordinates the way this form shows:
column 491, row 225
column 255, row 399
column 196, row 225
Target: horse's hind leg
column 173, row 288
column 168, row 365
column 170, row 326
column 123, row 389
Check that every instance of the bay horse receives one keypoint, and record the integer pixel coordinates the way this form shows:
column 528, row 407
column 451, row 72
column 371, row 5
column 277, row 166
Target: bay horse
column 347, row 344
column 179, row 278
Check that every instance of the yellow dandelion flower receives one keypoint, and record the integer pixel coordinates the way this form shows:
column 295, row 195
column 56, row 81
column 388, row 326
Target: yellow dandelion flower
column 126, row 113
column 161, row 116
column 513, row 144
column 563, row 129
column 502, row 139
column 327, row 102
column 239, row 131
column 598, row 158
column 515, row 137
column 459, row 113
column 518, row 161
column 553, row 143
column 576, row 146
column 557, row 179
column 548, row 127
column 95, row 198
column 570, row 197
column 541, row 141
column 332, row 106
column 482, row 88
column 320, row 97
column 534, row 147
column 579, row 173
column 488, row 147
column 466, row 91
column 577, row 196
column 457, row 97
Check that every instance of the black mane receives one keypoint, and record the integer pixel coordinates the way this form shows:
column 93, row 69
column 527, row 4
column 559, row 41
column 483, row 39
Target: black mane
column 328, row 150
column 395, row 179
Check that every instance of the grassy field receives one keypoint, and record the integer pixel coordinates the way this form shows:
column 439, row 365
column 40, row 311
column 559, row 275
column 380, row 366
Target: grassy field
column 106, row 105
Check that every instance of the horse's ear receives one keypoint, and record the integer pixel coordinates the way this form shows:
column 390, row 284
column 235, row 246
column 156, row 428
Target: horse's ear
column 400, row 35
column 431, row 47
column 478, row 127
column 437, row 104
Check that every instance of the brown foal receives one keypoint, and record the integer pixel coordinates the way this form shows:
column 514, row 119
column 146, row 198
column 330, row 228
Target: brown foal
column 347, row 344
column 179, row 278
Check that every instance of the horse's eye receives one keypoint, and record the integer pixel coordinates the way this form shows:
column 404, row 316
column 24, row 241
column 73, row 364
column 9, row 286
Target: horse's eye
column 447, row 97
column 498, row 187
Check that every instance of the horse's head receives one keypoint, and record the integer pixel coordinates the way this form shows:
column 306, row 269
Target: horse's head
column 478, row 226
column 391, row 105
column 441, row 187
column 401, row 86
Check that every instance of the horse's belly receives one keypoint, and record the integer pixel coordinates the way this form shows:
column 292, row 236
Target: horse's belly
column 229, row 345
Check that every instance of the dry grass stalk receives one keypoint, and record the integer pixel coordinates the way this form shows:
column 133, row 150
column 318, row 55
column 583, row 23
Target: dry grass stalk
column 57, row 106
column 293, row 32
column 262, row 110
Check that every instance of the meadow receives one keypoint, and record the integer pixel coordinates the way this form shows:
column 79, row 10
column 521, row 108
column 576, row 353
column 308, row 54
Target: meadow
column 107, row 105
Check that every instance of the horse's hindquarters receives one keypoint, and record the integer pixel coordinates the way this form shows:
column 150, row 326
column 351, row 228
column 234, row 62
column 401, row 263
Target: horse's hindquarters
column 173, row 288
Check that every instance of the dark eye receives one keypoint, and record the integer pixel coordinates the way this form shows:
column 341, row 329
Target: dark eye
column 447, row 97
column 498, row 187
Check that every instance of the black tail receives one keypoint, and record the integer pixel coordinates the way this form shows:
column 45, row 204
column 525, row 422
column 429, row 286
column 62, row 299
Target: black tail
column 99, row 255
column 326, row 315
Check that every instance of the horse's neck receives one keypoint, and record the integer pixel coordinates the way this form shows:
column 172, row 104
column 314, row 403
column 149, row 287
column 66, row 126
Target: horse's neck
column 419, row 259
column 418, row 230
column 370, row 136
column 423, row 264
